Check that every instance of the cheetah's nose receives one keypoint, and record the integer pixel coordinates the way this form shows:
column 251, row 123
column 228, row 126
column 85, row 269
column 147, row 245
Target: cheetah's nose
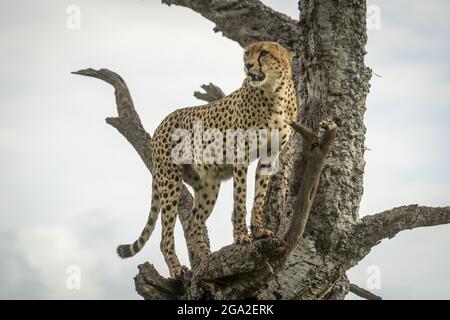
column 248, row 66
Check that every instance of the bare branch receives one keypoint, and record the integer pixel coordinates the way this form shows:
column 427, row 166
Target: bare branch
column 245, row 21
column 388, row 223
column 127, row 122
column 309, row 137
column 315, row 151
column 363, row 293
column 212, row 93
column 356, row 241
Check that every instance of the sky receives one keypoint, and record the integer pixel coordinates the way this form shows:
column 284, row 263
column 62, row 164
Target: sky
column 72, row 188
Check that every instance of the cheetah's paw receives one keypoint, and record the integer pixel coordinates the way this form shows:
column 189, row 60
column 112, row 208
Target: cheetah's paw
column 203, row 254
column 180, row 272
column 243, row 238
column 260, row 232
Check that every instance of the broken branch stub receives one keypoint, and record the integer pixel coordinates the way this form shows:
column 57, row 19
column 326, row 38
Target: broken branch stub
column 315, row 150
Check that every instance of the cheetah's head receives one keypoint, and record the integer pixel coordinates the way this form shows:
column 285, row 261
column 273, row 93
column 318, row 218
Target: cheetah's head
column 266, row 63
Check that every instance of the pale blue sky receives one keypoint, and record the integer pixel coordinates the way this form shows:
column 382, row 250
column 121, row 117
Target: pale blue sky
column 72, row 188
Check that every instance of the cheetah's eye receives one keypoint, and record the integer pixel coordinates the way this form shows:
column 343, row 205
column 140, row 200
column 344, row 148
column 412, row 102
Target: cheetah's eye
column 263, row 53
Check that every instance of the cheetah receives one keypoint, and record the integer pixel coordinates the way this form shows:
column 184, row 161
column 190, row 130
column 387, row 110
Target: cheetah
column 266, row 100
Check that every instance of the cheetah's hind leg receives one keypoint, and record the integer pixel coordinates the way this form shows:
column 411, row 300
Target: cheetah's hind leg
column 169, row 185
column 204, row 200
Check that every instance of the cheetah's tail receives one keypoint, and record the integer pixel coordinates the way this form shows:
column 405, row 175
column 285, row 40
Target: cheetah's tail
column 129, row 250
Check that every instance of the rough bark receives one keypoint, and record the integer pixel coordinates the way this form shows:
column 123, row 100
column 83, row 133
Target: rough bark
column 245, row 21
column 333, row 83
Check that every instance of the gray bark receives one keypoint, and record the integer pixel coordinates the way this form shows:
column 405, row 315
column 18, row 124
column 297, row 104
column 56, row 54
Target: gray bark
column 245, row 21
column 333, row 83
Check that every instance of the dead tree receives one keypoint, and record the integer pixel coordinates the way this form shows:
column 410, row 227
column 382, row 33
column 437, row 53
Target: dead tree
column 318, row 240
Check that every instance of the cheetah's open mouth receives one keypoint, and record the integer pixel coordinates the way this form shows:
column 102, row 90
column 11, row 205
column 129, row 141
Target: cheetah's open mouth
column 256, row 77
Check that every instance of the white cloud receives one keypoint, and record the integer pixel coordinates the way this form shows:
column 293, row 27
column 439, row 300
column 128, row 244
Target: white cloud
column 422, row 85
column 49, row 251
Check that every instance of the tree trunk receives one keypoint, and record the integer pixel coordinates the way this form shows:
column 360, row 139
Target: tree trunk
column 333, row 83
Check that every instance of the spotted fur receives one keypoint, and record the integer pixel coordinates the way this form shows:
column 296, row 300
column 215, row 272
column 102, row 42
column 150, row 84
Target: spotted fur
column 266, row 100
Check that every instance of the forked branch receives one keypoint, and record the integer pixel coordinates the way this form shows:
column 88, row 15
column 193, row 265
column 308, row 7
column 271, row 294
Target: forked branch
column 315, row 150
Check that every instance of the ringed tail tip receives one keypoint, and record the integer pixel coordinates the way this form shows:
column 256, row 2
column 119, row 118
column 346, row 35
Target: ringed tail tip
column 124, row 251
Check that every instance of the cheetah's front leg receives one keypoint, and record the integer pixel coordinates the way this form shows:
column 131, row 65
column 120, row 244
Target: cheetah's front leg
column 262, row 178
column 240, row 232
